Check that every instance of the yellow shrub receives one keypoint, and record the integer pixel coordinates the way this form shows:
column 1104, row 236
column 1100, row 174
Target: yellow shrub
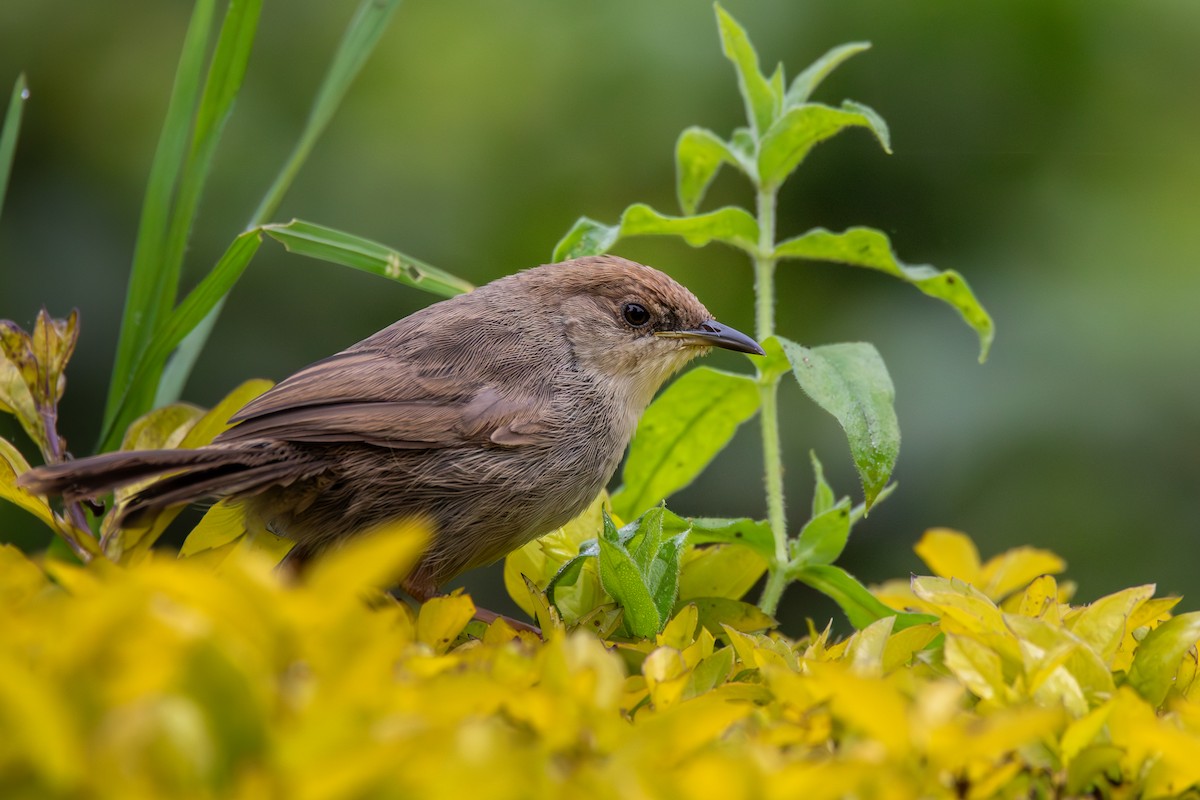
column 170, row 679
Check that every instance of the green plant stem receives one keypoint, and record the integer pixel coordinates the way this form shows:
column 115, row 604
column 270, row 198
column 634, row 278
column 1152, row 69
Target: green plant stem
column 768, row 387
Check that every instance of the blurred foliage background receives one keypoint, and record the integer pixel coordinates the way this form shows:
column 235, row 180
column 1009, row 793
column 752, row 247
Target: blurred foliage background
column 1049, row 151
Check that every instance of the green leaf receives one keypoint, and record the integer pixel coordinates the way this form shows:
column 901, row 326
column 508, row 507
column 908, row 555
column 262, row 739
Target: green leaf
column 762, row 103
column 804, row 84
column 823, row 496
column 866, row 247
column 800, row 129
column 857, row 603
column 8, row 134
column 699, row 154
column 851, row 382
column 177, row 181
column 755, row 534
column 620, row 577
column 824, row 537
column 680, row 433
column 215, row 285
column 649, row 529
column 663, row 576
column 728, row 225
column 1157, row 659
column 327, row 244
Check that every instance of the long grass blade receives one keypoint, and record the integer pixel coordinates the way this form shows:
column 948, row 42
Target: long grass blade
column 327, row 244
column 8, row 134
column 142, row 311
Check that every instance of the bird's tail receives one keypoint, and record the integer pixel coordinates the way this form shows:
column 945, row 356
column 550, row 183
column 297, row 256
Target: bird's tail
column 192, row 475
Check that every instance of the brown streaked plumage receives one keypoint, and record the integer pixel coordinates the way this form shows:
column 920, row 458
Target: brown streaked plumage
column 498, row 414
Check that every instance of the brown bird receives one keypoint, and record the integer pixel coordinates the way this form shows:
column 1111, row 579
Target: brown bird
column 499, row 415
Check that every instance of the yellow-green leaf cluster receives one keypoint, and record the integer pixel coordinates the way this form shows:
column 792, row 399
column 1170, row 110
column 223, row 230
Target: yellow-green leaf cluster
column 169, row 678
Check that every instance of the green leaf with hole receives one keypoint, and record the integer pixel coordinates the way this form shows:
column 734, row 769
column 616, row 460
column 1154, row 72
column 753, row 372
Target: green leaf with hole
column 327, row 244
column 824, row 537
column 804, row 84
column 762, row 101
column 800, row 129
column 699, row 154
column 728, row 225
column 867, row 247
column 851, row 382
column 680, row 433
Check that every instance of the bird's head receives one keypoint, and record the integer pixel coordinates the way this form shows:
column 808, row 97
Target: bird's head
column 633, row 324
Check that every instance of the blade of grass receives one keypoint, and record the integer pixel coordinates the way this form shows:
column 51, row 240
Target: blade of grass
column 183, row 319
column 142, row 313
column 8, row 135
column 225, row 75
column 356, row 46
column 327, row 244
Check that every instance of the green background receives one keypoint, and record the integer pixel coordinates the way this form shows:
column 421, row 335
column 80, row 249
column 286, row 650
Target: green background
column 1050, row 151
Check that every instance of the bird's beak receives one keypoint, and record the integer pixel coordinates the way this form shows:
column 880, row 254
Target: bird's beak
column 714, row 334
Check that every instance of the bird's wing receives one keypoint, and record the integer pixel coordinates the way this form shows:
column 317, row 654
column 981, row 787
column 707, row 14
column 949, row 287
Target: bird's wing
column 366, row 396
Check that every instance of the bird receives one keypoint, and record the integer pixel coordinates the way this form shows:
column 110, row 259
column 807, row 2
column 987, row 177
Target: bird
column 497, row 416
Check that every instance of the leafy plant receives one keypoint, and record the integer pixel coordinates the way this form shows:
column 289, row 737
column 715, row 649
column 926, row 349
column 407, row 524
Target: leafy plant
column 168, row 679
column 689, row 424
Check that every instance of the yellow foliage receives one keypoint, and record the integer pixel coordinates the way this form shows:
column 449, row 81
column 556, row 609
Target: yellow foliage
column 169, row 678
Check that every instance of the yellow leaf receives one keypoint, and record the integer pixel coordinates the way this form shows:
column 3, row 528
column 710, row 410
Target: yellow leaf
column 1104, row 623
column 949, row 554
column 871, row 706
column 903, row 645
column 865, row 650
column 375, row 559
column 1014, row 569
column 959, row 601
column 13, row 464
column 1083, row 732
column 222, row 524
column 681, row 630
column 441, row 620
column 978, row 667
column 1040, row 600
column 20, row 578
column 666, row 676
column 721, row 570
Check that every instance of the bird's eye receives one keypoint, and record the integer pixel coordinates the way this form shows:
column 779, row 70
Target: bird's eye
column 635, row 314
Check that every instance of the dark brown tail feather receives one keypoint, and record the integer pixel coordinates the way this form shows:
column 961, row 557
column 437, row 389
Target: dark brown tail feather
column 89, row 477
column 204, row 472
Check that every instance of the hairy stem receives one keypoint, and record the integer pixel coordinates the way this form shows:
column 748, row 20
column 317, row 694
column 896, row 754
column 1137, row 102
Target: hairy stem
column 768, row 387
